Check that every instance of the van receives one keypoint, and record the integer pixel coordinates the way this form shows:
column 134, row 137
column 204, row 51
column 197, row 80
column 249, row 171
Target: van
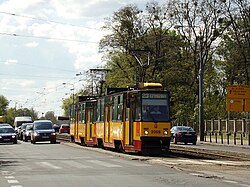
column 20, row 120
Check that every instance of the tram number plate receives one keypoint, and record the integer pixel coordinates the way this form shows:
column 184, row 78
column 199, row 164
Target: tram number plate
column 155, row 131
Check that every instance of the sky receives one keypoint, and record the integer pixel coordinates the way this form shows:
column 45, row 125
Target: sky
column 45, row 43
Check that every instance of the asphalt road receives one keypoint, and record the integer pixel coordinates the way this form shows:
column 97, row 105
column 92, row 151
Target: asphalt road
column 64, row 165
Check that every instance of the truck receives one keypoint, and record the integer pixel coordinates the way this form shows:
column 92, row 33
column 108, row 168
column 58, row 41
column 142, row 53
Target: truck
column 20, row 120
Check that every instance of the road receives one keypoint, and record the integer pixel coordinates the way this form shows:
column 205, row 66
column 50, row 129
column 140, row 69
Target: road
column 64, row 165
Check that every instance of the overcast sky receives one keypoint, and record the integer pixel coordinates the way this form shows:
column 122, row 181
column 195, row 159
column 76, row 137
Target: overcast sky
column 44, row 43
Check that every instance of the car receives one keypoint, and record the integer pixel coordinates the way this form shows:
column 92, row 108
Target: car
column 21, row 130
column 43, row 130
column 27, row 132
column 65, row 128
column 184, row 134
column 5, row 124
column 8, row 134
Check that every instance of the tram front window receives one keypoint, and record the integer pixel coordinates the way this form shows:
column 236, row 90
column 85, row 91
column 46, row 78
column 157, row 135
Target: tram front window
column 155, row 110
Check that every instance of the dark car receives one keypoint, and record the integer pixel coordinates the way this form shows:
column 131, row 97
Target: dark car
column 5, row 124
column 8, row 134
column 183, row 134
column 27, row 132
column 43, row 131
column 65, row 128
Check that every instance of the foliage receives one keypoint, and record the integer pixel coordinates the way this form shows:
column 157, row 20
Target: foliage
column 12, row 113
column 50, row 115
column 3, row 105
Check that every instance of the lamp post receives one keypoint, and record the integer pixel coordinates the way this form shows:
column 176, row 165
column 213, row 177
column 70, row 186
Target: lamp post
column 201, row 106
column 72, row 89
column 201, row 81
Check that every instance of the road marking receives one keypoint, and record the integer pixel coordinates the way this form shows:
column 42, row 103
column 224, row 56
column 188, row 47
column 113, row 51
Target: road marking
column 103, row 163
column 233, row 182
column 76, row 164
column 9, row 177
column 47, row 164
column 13, row 181
column 17, row 186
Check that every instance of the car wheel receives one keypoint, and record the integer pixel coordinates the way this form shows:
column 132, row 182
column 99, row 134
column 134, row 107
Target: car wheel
column 194, row 143
column 25, row 139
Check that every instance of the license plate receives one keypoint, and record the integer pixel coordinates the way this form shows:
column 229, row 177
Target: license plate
column 45, row 136
column 6, row 140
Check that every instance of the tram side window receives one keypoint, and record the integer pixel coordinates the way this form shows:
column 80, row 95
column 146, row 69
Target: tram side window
column 119, row 108
column 102, row 110
column 115, row 106
column 138, row 109
column 98, row 109
column 82, row 113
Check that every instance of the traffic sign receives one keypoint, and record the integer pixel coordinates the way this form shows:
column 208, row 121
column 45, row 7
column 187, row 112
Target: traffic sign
column 237, row 91
column 238, row 98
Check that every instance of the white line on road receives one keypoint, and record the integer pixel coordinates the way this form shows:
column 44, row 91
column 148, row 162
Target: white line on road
column 47, row 164
column 13, row 181
column 9, row 177
column 76, row 164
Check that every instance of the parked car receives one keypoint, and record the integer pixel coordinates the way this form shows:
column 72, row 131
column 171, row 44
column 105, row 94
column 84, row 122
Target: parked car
column 65, row 128
column 183, row 134
column 8, row 134
column 27, row 132
column 43, row 131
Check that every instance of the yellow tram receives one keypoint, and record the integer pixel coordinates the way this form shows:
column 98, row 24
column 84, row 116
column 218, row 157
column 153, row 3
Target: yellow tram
column 125, row 119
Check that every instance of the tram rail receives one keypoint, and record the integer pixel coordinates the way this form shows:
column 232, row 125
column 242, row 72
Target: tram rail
column 191, row 152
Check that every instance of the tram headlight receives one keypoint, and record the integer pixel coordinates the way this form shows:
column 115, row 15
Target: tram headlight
column 165, row 131
column 146, row 131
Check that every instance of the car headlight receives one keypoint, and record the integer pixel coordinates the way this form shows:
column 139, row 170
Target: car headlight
column 53, row 133
column 14, row 136
column 36, row 134
column 0, row 137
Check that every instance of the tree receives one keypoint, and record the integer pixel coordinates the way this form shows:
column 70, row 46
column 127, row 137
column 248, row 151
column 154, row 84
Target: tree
column 50, row 115
column 3, row 105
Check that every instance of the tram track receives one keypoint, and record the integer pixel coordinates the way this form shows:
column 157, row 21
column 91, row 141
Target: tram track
column 191, row 152
column 203, row 153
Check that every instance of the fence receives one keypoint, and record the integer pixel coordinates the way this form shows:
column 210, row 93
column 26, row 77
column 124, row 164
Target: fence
column 232, row 131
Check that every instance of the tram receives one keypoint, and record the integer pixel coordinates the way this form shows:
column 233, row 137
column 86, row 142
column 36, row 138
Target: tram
column 125, row 119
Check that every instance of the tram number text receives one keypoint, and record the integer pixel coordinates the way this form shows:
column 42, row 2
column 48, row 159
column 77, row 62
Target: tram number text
column 155, row 131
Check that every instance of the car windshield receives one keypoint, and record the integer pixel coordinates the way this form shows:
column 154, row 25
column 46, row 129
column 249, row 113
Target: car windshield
column 7, row 130
column 65, row 126
column 184, row 129
column 23, row 126
column 29, row 127
column 43, row 126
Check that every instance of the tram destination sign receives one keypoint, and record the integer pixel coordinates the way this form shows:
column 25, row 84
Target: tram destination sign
column 238, row 98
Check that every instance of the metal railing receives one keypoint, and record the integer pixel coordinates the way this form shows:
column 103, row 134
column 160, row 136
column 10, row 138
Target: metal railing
column 228, row 131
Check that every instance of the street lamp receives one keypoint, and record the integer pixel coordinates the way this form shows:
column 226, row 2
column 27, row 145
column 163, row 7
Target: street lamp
column 201, row 83
column 72, row 89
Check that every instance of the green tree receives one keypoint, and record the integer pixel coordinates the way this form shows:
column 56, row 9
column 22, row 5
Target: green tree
column 3, row 105
column 50, row 115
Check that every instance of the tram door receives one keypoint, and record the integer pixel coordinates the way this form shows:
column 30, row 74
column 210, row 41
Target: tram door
column 88, row 130
column 131, row 122
column 107, row 121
